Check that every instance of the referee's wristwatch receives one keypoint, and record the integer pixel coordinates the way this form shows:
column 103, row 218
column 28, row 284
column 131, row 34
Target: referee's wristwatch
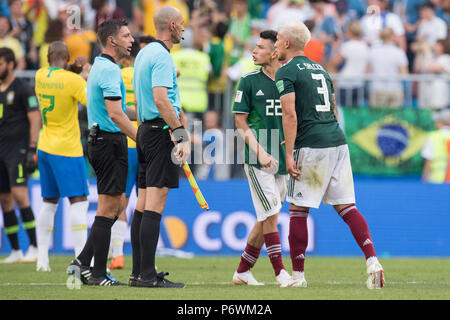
column 180, row 135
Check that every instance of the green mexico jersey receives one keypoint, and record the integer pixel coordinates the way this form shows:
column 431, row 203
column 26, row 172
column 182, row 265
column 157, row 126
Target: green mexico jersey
column 317, row 126
column 258, row 97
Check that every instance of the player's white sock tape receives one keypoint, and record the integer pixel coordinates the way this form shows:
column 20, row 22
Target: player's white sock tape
column 78, row 224
column 44, row 230
column 118, row 232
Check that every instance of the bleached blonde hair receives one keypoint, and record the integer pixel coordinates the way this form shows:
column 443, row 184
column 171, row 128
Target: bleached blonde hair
column 297, row 33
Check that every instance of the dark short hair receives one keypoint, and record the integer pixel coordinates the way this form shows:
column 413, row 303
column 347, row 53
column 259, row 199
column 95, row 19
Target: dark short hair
column 135, row 48
column 145, row 39
column 427, row 5
column 269, row 35
column 110, row 28
column 8, row 55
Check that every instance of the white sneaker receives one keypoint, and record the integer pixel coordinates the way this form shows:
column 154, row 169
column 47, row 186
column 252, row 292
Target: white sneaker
column 14, row 257
column 298, row 279
column 376, row 274
column 43, row 267
column 31, row 255
column 245, row 278
column 284, row 279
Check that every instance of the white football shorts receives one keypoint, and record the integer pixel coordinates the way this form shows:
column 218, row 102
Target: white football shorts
column 326, row 175
column 268, row 191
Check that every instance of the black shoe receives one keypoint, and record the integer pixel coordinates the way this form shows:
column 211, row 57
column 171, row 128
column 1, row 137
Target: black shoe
column 132, row 281
column 105, row 281
column 159, row 282
column 84, row 273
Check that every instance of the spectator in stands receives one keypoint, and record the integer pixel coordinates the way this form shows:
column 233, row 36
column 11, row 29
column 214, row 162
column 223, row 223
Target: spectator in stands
column 22, row 30
column 430, row 27
column 36, row 11
column 388, row 61
column 443, row 10
column 357, row 9
column 295, row 10
column 333, row 27
column 354, row 55
column 82, row 42
column 433, row 60
column 436, row 151
column 10, row 42
column 149, row 8
column 239, row 29
column 274, row 10
column 214, row 164
column 314, row 49
column 104, row 11
column 194, row 66
column 64, row 9
column 218, row 49
column 55, row 32
column 379, row 17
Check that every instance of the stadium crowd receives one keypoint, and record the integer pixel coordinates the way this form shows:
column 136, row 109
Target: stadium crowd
column 346, row 37
column 365, row 44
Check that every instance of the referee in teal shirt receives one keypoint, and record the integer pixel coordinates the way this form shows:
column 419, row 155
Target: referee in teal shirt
column 160, row 136
column 107, row 148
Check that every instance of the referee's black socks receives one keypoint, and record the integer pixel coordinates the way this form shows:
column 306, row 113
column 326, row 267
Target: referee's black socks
column 135, row 242
column 148, row 235
column 101, row 237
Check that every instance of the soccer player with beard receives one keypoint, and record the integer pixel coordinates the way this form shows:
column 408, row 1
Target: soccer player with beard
column 159, row 109
column 106, row 148
column 19, row 131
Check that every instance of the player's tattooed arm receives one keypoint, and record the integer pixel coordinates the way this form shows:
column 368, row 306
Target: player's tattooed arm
column 333, row 102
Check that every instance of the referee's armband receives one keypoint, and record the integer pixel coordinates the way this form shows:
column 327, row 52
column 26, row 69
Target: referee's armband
column 113, row 98
column 180, row 135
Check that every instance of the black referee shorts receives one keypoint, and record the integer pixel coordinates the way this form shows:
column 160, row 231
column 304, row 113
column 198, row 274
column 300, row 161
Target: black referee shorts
column 108, row 156
column 154, row 149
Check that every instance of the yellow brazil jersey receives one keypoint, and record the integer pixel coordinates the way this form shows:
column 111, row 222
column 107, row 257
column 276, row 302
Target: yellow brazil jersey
column 127, row 76
column 59, row 92
column 150, row 7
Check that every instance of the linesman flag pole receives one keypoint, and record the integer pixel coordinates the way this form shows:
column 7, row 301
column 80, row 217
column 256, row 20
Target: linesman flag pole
column 198, row 194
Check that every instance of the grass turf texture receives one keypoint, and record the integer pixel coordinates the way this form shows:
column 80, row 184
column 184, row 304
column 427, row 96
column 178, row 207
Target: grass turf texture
column 209, row 278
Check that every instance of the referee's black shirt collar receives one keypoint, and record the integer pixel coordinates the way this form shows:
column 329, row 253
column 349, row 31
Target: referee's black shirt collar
column 162, row 43
column 107, row 56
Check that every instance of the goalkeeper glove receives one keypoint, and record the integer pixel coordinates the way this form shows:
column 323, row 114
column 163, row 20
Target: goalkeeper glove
column 31, row 160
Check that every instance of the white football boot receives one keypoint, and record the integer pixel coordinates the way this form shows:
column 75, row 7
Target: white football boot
column 245, row 278
column 375, row 272
column 14, row 257
column 31, row 255
column 42, row 267
column 284, row 279
column 298, row 279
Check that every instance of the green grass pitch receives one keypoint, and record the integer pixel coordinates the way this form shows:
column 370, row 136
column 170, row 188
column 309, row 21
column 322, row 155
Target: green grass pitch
column 209, row 278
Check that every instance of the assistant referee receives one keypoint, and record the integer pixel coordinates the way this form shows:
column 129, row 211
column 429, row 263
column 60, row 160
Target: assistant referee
column 107, row 148
column 158, row 105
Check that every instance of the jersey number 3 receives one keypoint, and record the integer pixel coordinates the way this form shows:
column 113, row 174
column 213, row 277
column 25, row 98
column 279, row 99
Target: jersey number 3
column 323, row 90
